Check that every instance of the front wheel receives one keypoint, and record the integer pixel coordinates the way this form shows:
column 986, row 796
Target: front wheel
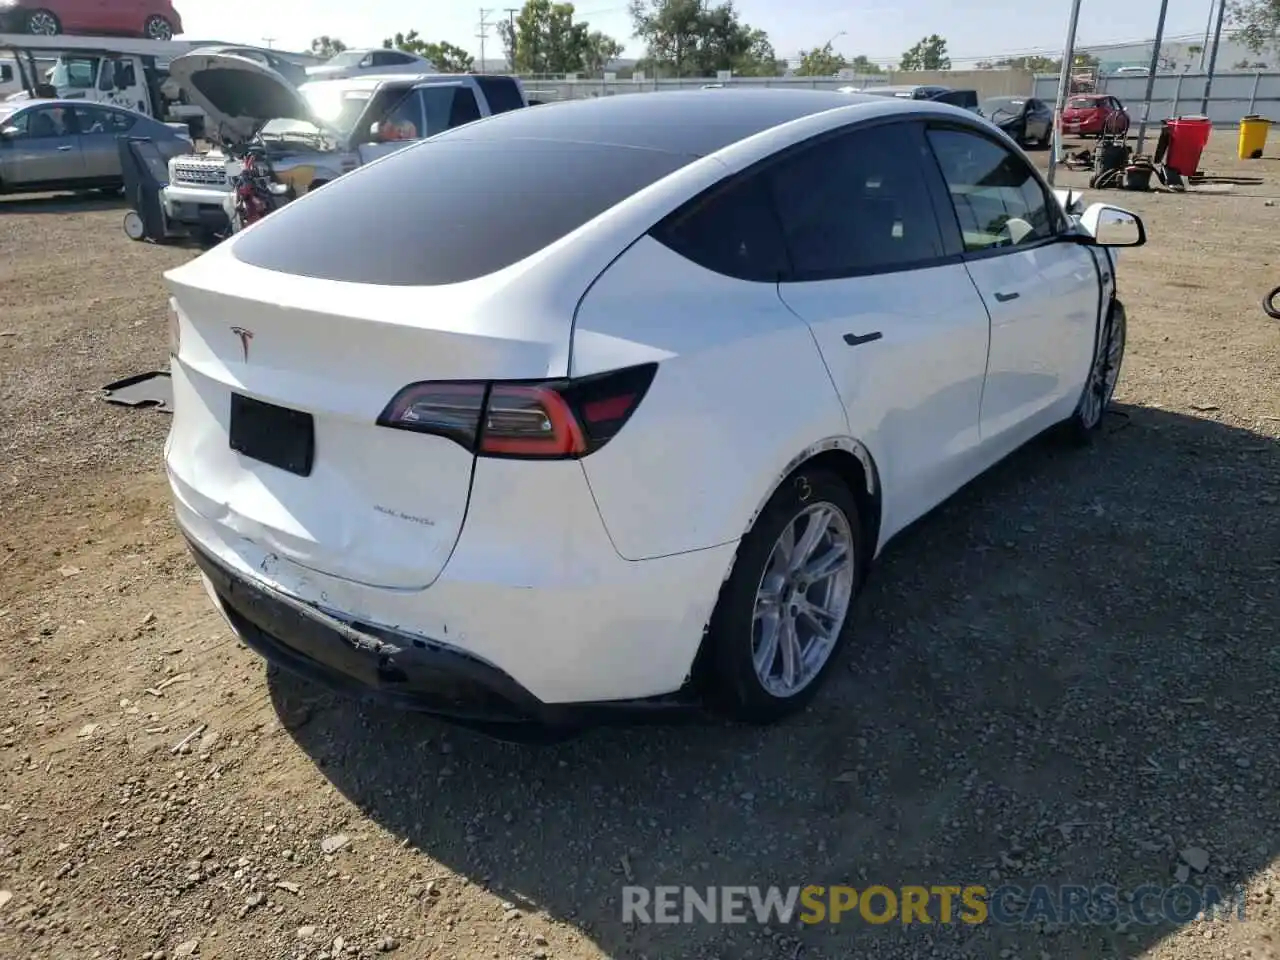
column 785, row 609
column 1086, row 422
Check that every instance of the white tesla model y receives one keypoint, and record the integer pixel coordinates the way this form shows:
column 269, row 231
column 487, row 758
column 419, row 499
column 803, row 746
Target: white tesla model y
column 609, row 405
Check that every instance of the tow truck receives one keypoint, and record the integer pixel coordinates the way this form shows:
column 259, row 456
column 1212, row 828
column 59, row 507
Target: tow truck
column 115, row 70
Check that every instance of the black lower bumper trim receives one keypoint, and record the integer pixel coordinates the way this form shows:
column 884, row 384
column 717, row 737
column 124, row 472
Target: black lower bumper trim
column 397, row 669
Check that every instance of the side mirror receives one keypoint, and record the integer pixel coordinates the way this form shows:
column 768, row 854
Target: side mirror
column 1110, row 226
column 9, row 132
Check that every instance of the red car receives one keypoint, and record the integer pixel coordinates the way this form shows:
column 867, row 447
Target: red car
column 152, row 19
column 1095, row 114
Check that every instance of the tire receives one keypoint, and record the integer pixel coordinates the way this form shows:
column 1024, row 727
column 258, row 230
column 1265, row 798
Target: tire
column 1086, row 422
column 157, row 27
column 43, row 23
column 727, row 672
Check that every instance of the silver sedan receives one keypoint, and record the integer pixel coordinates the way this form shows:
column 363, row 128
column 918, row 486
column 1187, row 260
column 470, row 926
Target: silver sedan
column 71, row 145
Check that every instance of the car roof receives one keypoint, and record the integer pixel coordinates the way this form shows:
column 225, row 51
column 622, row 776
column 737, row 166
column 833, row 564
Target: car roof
column 368, row 81
column 689, row 122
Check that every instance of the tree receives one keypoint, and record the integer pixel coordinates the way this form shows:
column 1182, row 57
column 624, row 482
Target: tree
column 688, row 38
column 446, row 57
column 929, row 54
column 862, row 66
column 1256, row 23
column 820, row 62
column 1031, row 64
column 545, row 38
column 327, row 46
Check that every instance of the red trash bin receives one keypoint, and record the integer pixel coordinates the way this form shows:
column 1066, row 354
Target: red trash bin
column 1187, row 139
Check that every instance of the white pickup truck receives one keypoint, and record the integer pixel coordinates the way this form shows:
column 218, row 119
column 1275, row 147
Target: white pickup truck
column 312, row 133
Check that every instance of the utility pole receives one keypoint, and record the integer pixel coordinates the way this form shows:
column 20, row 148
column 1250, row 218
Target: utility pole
column 1064, row 87
column 511, row 18
column 1213, row 60
column 483, row 33
column 1151, row 74
column 269, row 41
column 1208, row 26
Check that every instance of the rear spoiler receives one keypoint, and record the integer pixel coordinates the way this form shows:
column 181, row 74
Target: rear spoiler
column 1072, row 201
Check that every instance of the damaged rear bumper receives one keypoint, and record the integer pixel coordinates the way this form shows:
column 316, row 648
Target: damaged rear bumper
column 399, row 669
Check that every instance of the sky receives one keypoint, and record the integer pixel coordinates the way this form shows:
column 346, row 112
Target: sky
column 985, row 29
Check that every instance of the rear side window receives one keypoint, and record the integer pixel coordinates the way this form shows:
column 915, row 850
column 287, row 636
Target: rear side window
column 731, row 230
column 448, row 211
column 502, row 93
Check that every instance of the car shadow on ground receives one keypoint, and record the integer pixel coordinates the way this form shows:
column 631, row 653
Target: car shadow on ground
column 63, row 203
column 1065, row 675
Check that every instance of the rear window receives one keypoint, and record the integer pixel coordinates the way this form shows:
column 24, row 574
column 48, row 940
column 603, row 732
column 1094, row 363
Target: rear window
column 1082, row 103
column 448, row 211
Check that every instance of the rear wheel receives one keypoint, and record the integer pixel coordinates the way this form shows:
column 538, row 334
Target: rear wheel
column 43, row 23
column 157, row 28
column 785, row 609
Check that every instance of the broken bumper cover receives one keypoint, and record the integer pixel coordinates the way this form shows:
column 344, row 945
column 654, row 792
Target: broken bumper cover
column 396, row 669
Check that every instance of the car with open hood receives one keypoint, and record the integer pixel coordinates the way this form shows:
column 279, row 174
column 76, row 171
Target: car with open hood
column 314, row 132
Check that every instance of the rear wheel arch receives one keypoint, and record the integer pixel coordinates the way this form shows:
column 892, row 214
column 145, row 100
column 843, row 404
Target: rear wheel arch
column 852, row 462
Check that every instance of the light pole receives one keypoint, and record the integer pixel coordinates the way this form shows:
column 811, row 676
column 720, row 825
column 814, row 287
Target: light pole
column 1064, row 85
column 1151, row 74
column 1213, row 61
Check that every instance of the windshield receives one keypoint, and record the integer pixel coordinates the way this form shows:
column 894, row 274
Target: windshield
column 74, row 73
column 348, row 58
column 286, row 129
column 339, row 107
column 7, row 111
column 1003, row 105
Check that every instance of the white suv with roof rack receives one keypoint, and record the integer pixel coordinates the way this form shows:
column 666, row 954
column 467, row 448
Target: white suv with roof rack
column 312, row 133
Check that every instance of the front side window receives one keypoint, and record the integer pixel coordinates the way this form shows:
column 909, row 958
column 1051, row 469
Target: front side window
column 857, row 203
column 998, row 199
column 74, row 73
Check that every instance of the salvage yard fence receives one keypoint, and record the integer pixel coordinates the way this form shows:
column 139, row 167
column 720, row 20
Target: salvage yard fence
column 1234, row 95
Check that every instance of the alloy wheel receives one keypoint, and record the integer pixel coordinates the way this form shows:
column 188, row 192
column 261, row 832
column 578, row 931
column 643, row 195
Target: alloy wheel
column 158, row 28
column 42, row 23
column 802, row 599
column 1104, row 376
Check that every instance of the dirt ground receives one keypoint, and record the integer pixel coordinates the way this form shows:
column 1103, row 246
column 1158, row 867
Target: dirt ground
column 1070, row 673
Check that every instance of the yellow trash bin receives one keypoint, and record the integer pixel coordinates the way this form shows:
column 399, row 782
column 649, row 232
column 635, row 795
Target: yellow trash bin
column 1253, row 137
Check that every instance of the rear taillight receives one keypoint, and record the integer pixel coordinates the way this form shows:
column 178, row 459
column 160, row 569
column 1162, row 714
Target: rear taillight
column 543, row 420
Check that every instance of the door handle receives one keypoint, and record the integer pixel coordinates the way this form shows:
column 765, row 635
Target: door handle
column 65, row 149
column 1006, row 297
column 853, row 339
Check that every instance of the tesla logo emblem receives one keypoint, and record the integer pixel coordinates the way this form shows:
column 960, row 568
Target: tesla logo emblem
column 245, row 336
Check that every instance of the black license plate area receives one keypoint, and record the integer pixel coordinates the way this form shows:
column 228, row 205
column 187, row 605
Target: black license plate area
column 274, row 435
